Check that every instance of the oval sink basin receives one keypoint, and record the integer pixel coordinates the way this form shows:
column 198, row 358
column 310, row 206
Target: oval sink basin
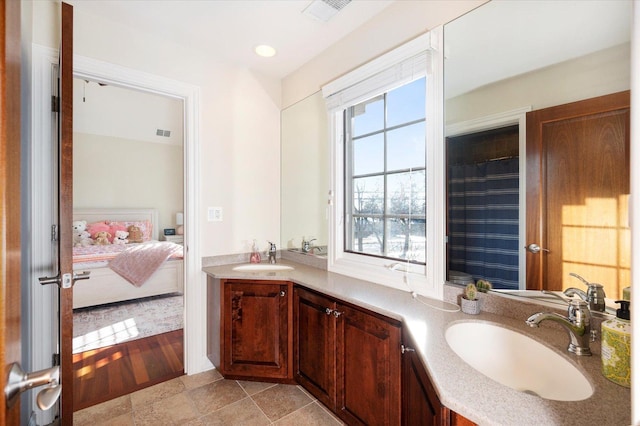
column 517, row 361
column 259, row 267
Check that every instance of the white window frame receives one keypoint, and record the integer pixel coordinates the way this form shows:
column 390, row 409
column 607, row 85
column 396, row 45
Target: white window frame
column 372, row 79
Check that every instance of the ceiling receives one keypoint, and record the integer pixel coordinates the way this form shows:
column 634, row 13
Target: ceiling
column 231, row 29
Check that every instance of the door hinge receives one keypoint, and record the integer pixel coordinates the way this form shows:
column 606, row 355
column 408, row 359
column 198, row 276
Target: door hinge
column 54, row 232
column 55, row 359
column 55, row 103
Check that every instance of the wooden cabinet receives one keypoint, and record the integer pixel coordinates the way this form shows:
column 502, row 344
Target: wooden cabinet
column 348, row 358
column 420, row 403
column 356, row 362
column 315, row 349
column 255, row 328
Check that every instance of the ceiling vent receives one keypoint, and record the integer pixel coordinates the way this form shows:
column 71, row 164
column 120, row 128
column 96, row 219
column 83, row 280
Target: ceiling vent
column 323, row 10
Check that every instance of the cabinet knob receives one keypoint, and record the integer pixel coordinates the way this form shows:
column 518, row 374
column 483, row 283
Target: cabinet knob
column 337, row 313
column 283, row 293
column 328, row 311
column 404, row 349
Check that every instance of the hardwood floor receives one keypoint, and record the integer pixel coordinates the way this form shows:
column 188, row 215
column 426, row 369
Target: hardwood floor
column 107, row 373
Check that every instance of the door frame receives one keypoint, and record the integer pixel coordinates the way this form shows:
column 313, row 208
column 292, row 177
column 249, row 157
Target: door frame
column 43, row 319
column 494, row 121
column 43, row 58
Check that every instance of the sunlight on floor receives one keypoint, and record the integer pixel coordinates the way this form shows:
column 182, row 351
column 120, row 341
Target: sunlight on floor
column 106, row 336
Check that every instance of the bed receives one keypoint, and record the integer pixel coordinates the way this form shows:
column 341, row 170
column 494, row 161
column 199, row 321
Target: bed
column 107, row 286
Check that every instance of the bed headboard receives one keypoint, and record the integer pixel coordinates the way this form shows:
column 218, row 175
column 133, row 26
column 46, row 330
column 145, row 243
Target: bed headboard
column 95, row 215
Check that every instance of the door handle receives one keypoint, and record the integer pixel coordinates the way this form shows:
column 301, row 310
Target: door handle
column 18, row 381
column 84, row 275
column 534, row 248
column 65, row 280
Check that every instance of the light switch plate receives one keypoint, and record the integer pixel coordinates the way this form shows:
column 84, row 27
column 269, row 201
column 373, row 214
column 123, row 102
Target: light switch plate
column 214, row 214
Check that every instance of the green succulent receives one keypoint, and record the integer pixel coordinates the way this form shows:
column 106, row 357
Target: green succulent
column 470, row 292
column 483, row 286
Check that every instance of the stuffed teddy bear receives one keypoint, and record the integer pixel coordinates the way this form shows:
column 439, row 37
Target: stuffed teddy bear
column 121, row 237
column 82, row 240
column 135, row 234
column 81, row 237
column 102, row 238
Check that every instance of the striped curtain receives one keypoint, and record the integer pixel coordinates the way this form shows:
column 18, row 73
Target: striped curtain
column 483, row 221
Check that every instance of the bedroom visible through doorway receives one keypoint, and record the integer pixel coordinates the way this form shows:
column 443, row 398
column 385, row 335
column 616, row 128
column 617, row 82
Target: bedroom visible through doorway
column 129, row 182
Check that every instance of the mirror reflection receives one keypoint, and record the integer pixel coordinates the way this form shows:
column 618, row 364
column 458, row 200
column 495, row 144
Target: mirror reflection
column 305, row 176
column 511, row 68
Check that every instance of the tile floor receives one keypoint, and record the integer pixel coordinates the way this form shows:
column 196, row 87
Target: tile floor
column 209, row 399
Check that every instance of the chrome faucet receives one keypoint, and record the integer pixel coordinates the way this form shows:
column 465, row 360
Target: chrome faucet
column 594, row 295
column 306, row 245
column 272, row 252
column 577, row 323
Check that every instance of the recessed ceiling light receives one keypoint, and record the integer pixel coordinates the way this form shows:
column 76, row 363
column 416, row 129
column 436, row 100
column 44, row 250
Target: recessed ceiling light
column 265, row 51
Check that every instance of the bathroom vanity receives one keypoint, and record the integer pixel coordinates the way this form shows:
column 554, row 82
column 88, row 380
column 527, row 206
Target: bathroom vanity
column 372, row 352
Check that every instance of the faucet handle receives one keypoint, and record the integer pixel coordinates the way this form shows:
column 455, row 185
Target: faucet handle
column 595, row 294
column 578, row 312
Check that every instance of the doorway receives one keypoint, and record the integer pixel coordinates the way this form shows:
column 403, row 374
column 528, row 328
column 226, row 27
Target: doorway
column 128, row 157
column 483, row 206
column 85, row 68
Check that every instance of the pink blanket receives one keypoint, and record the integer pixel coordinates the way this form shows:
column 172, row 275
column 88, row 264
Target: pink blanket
column 136, row 264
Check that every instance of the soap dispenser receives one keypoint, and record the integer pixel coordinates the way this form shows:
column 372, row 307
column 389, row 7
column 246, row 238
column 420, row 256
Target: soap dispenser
column 255, row 254
column 616, row 346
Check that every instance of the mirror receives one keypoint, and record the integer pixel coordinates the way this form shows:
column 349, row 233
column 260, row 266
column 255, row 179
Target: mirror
column 505, row 58
column 305, row 175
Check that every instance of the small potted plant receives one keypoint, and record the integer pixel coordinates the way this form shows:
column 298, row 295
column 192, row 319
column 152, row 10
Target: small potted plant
column 469, row 303
column 483, row 286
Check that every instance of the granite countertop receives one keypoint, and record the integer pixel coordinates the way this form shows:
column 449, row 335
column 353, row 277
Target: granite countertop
column 460, row 387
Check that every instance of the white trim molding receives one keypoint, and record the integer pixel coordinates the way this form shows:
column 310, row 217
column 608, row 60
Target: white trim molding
column 417, row 58
column 195, row 289
column 44, row 299
column 495, row 121
column 195, row 283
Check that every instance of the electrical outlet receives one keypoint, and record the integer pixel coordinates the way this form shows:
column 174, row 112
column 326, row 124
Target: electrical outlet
column 214, row 214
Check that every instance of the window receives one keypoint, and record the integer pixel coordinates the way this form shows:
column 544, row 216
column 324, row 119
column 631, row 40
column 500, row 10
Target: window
column 385, row 184
column 387, row 177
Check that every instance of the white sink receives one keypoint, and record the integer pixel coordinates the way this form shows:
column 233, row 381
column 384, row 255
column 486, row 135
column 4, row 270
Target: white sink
column 263, row 267
column 517, row 361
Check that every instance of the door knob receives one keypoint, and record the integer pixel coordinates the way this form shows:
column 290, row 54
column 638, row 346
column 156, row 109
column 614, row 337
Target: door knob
column 534, row 248
column 48, row 396
column 18, row 381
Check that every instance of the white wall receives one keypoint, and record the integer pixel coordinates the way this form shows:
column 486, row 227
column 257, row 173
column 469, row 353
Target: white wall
column 113, row 172
column 239, row 134
column 601, row 73
column 400, row 22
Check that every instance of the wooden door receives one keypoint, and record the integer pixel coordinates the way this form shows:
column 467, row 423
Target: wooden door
column 255, row 329
column 10, row 339
column 65, row 212
column 368, row 368
column 315, row 345
column 577, row 194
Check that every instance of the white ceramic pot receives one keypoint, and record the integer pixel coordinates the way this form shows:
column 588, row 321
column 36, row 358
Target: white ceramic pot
column 470, row 306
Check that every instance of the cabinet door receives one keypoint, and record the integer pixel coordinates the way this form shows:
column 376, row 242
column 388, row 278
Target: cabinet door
column 368, row 368
column 255, row 329
column 315, row 333
column 420, row 403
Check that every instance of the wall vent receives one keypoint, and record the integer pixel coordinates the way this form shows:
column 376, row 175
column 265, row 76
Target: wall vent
column 165, row 133
column 323, row 10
